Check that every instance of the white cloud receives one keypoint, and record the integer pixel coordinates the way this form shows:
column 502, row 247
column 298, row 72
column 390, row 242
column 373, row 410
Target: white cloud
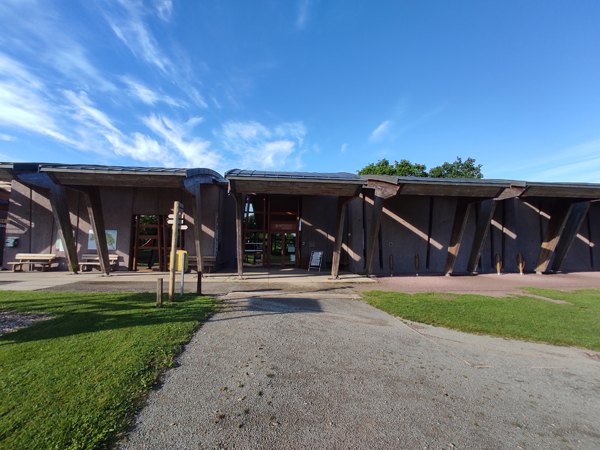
column 344, row 147
column 23, row 103
column 133, row 32
column 303, row 14
column 164, row 9
column 147, row 95
column 194, row 152
column 254, row 146
column 379, row 132
column 85, row 110
column 6, row 137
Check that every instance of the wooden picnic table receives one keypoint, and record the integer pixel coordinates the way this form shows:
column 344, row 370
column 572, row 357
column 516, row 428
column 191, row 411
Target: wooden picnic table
column 32, row 259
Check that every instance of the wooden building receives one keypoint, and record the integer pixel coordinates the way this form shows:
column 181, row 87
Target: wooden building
column 363, row 224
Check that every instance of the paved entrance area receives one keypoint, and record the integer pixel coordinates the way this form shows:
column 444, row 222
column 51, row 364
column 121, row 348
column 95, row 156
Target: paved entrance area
column 319, row 368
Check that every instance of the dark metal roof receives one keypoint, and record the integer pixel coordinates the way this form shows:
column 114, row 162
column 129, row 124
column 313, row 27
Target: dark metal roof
column 340, row 176
column 449, row 181
column 112, row 169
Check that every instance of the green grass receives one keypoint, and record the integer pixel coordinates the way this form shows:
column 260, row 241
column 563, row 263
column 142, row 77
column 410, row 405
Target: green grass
column 75, row 381
column 521, row 317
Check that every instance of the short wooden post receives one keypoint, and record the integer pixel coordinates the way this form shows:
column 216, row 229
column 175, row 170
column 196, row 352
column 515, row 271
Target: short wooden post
column 182, row 272
column 498, row 263
column 416, row 264
column 520, row 263
column 159, row 292
column 199, row 283
column 391, row 265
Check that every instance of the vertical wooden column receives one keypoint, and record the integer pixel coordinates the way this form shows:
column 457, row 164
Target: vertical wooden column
column 488, row 207
column 239, row 216
column 339, row 231
column 574, row 221
column 94, row 208
column 373, row 232
column 556, row 225
column 60, row 209
column 458, row 227
column 197, row 212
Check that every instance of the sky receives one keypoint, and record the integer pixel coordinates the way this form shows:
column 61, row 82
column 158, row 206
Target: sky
column 304, row 85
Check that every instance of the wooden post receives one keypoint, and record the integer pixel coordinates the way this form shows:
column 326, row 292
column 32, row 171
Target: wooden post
column 574, row 221
column 94, row 208
column 373, row 232
column 199, row 284
column 173, row 250
column 182, row 273
column 337, row 245
column 239, row 213
column 197, row 212
column 555, row 227
column 458, row 227
column 159, row 292
column 488, row 207
column 60, row 209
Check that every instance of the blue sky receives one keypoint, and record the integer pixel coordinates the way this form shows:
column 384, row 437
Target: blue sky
column 307, row 85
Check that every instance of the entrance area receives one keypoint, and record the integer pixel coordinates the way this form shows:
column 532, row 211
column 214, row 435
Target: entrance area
column 151, row 245
column 272, row 231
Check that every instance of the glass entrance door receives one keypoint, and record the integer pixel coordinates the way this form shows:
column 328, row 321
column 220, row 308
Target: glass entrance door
column 282, row 252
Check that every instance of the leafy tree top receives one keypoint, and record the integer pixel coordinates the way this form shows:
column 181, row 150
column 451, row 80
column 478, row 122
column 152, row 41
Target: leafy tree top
column 404, row 168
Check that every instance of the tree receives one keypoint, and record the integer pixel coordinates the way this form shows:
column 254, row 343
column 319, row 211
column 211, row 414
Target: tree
column 404, row 168
column 458, row 169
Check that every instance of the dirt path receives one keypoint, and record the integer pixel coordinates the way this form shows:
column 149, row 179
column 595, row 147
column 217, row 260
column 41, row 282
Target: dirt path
column 277, row 370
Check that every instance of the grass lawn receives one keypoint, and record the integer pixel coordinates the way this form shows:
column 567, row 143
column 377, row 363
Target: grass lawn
column 521, row 317
column 75, row 381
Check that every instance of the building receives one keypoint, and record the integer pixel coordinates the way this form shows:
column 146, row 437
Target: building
column 363, row 224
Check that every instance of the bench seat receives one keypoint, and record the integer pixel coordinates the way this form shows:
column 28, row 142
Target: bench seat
column 209, row 261
column 90, row 261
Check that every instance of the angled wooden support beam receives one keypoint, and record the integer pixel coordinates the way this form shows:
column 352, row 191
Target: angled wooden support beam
column 486, row 213
column 555, row 228
column 197, row 212
column 572, row 225
column 60, row 209
column 339, row 231
column 239, row 230
column 94, row 208
column 458, row 227
column 373, row 232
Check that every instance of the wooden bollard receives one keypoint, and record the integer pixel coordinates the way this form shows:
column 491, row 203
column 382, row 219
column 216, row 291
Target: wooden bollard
column 391, row 265
column 417, row 264
column 498, row 263
column 520, row 263
column 159, row 292
column 199, row 284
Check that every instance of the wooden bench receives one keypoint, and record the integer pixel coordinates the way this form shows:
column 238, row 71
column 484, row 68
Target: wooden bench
column 93, row 260
column 43, row 259
column 209, row 261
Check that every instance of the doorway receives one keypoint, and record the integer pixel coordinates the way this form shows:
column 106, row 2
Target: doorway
column 283, row 249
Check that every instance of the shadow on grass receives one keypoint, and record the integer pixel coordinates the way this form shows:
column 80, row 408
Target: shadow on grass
column 80, row 313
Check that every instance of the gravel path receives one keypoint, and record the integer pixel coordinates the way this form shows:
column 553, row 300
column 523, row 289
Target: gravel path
column 322, row 369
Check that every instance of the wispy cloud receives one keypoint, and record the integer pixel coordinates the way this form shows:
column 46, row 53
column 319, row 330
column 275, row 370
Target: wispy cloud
column 148, row 96
column 6, row 137
column 23, row 103
column 303, row 14
column 194, row 151
column 130, row 28
column 255, row 145
column 379, row 132
column 344, row 147
column 164, row 9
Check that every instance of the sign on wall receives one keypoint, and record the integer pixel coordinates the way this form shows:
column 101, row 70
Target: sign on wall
column 111, row 240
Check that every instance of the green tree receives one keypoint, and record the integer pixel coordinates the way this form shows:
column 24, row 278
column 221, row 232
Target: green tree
column 404, row 168
column 458, row 169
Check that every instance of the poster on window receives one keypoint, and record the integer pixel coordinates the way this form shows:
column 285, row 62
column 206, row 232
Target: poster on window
column 111, row 240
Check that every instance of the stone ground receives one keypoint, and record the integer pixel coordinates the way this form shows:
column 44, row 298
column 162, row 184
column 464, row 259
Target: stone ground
column 311, row 365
